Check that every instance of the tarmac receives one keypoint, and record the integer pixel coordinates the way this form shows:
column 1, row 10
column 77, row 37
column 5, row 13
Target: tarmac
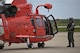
column 57, row 45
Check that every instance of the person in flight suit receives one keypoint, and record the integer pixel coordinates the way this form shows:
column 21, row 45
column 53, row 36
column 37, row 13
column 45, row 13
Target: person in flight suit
column 70, row 28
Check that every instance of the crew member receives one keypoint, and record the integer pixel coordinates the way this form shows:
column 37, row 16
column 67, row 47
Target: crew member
column 70, row 28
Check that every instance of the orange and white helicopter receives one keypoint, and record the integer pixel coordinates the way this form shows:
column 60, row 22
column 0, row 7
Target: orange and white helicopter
column 21, row 25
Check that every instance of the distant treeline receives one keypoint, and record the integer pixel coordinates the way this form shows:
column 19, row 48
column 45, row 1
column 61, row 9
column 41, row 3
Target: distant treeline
column 64, row 22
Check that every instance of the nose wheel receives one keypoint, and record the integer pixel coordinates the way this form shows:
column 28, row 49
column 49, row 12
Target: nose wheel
column 41, row 45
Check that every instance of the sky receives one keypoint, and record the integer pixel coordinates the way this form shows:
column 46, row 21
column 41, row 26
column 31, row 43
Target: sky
column 62, row 9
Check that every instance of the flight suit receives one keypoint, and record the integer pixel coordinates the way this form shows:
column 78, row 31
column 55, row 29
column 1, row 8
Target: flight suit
column 70, row 28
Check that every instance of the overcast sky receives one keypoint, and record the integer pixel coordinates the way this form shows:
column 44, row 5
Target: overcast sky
column 61, row 8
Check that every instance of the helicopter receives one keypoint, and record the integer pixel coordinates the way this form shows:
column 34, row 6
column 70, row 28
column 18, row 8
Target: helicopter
column 21, row 25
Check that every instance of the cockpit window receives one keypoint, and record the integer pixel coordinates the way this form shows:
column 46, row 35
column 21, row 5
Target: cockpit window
column 39, row 22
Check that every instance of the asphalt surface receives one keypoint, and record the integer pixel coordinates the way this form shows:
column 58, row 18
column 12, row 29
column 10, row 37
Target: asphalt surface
column 56, row 45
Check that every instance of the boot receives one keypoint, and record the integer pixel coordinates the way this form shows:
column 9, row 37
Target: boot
column 73, row 43
column 69, row 44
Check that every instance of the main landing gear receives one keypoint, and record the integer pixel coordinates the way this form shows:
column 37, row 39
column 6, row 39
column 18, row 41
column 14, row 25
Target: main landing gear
column 30, row 45
column 41, row 45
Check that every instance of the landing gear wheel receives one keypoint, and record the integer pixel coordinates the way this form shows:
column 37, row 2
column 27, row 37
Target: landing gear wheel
column 41, row 45
column 1, row 46
column 30, row 45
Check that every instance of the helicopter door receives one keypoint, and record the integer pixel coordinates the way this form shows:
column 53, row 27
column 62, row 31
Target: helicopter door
column 51, row 25
column 40, row 26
